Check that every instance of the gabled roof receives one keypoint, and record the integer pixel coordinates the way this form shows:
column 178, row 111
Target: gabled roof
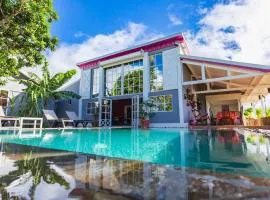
column 226, row 63
column 154, row 45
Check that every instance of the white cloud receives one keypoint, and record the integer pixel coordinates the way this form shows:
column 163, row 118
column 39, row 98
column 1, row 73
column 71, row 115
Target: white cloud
column 174, row 20
column 237, row 30
column 66, row 56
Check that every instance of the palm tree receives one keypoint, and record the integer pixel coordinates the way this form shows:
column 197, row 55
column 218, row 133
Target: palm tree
column 41, row 91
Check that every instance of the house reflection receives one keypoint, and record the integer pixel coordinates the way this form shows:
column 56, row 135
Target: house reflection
column 87, row 176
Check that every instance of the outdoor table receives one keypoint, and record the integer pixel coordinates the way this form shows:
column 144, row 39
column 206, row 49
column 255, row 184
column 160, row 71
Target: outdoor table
column 15, row 119
column 33, row 122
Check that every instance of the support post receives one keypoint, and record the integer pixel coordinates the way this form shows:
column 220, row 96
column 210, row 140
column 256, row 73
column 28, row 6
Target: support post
column 181, row 95
column 254, row 110
column 80, row 109
column 203, row 72
column 146, row 76
column 263, row 106
column 101, row 91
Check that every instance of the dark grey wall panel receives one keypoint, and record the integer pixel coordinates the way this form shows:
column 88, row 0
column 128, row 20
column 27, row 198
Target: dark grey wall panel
column 167, row 117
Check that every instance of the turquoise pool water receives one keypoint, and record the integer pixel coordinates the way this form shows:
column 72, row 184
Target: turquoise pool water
column 221, row 151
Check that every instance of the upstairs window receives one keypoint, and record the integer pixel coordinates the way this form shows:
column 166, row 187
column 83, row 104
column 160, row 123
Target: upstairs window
column 95, row 82
column 156, row 72
column 113, row 76
column 133, row 77
column 123, row 79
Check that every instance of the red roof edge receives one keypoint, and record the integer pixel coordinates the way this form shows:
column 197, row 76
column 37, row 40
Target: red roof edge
column 161, row 44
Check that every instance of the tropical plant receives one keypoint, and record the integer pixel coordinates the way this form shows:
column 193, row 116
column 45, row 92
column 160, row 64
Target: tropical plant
column 146, row 110
column 267, row 112
column 248, row 113
column 193, row 104
column 24, row 34
column 41, row 91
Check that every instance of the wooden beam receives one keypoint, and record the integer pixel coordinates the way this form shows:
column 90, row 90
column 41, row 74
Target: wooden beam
column 233, row 69
column 219, row 79
column 221, row 90
column 203, row 72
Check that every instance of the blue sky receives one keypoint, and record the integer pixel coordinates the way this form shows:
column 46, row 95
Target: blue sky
column 81, row 18
column 225, row 29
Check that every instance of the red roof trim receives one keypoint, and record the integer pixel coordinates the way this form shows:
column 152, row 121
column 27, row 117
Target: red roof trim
column 228, row 65
column 169, row 42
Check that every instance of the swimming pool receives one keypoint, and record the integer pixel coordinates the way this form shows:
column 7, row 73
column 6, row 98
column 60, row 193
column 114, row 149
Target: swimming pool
column 219, row 151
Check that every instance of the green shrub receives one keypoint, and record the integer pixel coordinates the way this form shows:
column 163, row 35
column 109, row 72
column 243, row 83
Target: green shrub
column 248, row 113
column 259, row 112
column 267, row 112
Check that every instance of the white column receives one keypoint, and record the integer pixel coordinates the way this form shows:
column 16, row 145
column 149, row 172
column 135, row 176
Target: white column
column 146, row 76
column 101, row 90
column 263, row 106
column 254, row 110
column 80, row 108
column 122, row 80
column 181, row 94
column 101, row 82
column 203, row 72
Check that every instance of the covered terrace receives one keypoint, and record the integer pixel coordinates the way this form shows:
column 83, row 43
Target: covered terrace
column 224, row 88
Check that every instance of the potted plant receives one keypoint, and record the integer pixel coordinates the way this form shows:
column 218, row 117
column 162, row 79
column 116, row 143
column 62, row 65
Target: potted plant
column 146, row 112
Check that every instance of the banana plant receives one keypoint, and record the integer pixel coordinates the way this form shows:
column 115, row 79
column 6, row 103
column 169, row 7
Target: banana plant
column 42, row 90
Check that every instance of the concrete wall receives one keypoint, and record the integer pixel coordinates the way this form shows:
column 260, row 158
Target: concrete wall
column 73, row 87
column 85, row 83
column 167, row 117
column 170, row 63
column 66, row 105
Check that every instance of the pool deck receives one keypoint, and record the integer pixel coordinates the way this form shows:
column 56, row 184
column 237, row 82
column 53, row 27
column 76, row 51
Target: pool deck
column 220, row 127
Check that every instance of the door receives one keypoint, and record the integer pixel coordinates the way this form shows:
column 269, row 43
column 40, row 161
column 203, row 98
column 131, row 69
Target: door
column 105, row 112
column 135, row 114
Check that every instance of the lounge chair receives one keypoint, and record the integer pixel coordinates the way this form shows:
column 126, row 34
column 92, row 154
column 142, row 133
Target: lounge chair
column 53, row 120
column 74, row 117
column 7, row 119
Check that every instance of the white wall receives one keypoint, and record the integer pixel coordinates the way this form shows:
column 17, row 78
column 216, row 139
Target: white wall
column 85, row 83
column 170, row 63
column 13, row 86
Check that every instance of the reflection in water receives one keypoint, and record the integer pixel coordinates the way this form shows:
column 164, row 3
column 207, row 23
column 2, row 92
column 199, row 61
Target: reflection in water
column 75, row 175
column 93, row 177
column 29, row 172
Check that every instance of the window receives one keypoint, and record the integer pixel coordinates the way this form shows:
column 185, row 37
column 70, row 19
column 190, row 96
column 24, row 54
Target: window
column 113, row 81
column 92, row 108
column 3, row 98
column 133, row 77
column 156, row 72
column 95, row 82
column 163, row 103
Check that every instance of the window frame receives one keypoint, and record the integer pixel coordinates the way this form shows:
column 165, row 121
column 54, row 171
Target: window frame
column 123, row 71
column 154, row 66
column 95, row 82
column 91, row 108
column 164, row 102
